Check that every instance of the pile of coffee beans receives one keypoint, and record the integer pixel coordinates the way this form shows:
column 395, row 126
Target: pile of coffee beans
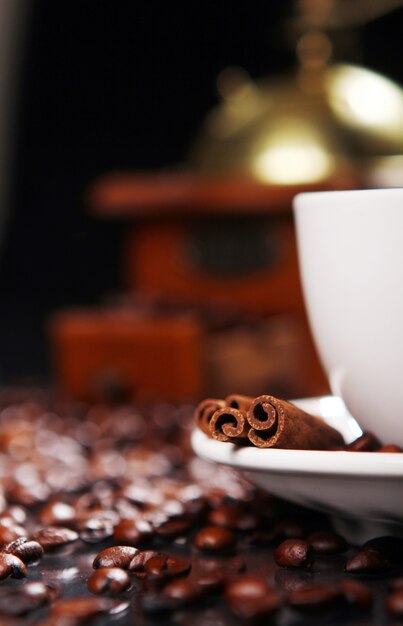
column 106, row 514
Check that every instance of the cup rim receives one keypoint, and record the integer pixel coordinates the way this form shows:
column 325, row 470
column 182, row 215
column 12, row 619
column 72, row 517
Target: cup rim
column 307, row 199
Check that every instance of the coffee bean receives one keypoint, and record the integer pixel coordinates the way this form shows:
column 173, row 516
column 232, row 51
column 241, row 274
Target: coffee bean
column 182, row 591
column 164, row 566
column 249, row 597
column 213, row 581
column 155, row 603
column 214, row 539
column 327, row 542
column 57, row 514
column 366, row 562
column 22, row 600
column 233, row 517
column 112, row 580
column 137, row 564
column 394, row 603
column 54, row 538
column 293, row 579
column 10, row 531
column 11, row 565
column 224, row 565
column 366, row 443
column 116, row 556
column 293, row 553
column 173, row 528
column 81, row 609
column 96, row 530
column 356, row 593
column 315, row 597
column 390, row 447
column 132, row 532
column 28, row 551
column 391, row 548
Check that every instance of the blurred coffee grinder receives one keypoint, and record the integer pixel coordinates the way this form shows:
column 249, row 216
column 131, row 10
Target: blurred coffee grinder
column 212, row 300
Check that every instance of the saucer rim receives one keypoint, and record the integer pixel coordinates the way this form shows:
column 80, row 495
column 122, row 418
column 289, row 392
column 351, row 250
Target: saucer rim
column 308, row 462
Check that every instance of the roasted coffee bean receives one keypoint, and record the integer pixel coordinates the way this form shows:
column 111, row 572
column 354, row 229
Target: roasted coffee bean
column 366, row 443
column 290, row 529
column 394, row 603
column 366, row 562
column 23, row 600
column 16, row 513
column 154, row 602
column 214, row 539
column 356, row 593
column 172, row 528
column 293, row 579
column 233, row 517
column 55, row 538
column 82, row 608
column 11, row 565
column 132, row 532
column 293, row 553
column 390, row 447
column 28, row 551
column 113, row 580
column 213, row 581
column 10, row 531
column 116, row 556
column 390, row 547
column 137, row 564
column 249, row 597
column 315, row 597
column 225, row 565
column 183, row 591
column 57, row 514
column 96, row 531
column 164, row 566
column 327, row 542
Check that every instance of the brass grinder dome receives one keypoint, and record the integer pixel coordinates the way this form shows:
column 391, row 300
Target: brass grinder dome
column 304, row 129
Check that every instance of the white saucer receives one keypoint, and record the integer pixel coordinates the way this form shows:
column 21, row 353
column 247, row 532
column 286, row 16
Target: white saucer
column 363, row 485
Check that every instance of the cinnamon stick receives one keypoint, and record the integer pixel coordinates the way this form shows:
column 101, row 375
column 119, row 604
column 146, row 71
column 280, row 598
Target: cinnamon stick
column 229, row 424
column 277, row 423
column 204, row 412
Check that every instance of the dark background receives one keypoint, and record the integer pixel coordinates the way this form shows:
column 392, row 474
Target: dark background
column 108, row 85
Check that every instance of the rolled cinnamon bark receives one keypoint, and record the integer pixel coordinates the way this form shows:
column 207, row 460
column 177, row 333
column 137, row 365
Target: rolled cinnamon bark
column 280, row 424
column 204, row 412
column 229, row 424
column 237, row 401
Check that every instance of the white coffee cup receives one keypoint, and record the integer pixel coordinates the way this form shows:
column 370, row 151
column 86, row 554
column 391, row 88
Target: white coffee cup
column 350, row 247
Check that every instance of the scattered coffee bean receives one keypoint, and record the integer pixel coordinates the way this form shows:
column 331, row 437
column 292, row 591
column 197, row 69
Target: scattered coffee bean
column 22, row 600
column 394, row 603
column 356, row 593
column 226, row 565
column 155, row 603
column 164, row 566
column 293, row 579
column 55, row 538
column 138, row 562
column 28, row 551
column 366, row 443
column 391, row 548
column 116, row 556
column 183, row 591
column 57, row 514
column 10, row 532
column 132, row 532
column 327, row 542
column 366, row 562
column 113, row 580
column 11, row 565
column 81, row 609
column 213, row 581
column 315, row 597
column 233, row 517
column 173, row 528
column 214, row 539
column 249, row 597
column 293, row 553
